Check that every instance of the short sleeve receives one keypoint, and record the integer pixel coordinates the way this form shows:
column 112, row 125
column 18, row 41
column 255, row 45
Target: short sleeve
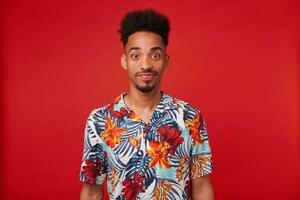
column 94, row 161
column 201, row 156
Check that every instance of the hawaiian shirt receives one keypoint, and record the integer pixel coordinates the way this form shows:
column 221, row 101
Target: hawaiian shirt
column 138, row 160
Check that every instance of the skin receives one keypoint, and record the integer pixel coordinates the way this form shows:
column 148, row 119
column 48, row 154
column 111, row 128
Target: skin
column 145, row 59
column 202, row 188
column 91, row 192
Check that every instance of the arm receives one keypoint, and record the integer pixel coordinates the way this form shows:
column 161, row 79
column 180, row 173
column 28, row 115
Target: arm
column 93, row 170
column 202, row 188
column 91, row 192
column 201, row 165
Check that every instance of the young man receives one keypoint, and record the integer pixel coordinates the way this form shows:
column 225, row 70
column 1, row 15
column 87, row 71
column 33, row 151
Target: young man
column 146, row 144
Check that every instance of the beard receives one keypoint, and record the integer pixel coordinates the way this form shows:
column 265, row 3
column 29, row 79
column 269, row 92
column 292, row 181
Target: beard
column 148, row 87
column 145, row 89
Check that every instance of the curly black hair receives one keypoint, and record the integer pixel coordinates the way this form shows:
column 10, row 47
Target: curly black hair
column 147, row 20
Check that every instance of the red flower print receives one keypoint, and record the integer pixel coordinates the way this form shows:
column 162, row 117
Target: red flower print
column 187, row 188
column 91, row 170
column 118, row 114
column 132, row 187
column 159, row 150
column 171, row 136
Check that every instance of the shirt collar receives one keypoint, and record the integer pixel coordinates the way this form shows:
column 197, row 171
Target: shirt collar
column 120, row 103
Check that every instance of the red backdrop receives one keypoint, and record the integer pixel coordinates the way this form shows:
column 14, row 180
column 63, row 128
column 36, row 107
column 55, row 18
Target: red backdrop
column 238, row 62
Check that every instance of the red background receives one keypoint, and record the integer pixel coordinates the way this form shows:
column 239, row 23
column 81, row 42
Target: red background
column 238, row 62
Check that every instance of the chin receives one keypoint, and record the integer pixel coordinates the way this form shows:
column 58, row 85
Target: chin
column 145, row 89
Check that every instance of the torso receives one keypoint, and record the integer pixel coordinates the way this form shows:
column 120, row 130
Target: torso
column 149, row 158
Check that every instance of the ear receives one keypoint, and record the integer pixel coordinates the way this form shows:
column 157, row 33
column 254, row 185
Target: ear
column 167, row 60
column 123, row 61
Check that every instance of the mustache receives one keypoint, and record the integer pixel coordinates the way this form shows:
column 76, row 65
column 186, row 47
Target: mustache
column 146, row 72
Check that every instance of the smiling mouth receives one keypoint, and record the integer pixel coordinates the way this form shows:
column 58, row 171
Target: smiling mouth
column 146, row 76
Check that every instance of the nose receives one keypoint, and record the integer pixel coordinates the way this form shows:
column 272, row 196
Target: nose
column 146, row 64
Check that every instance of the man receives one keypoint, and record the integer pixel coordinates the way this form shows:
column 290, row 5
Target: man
column 146, row 144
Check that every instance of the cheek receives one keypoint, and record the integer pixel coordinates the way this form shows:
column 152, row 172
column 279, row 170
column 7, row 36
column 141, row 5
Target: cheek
column 133, row 65
column 131, row 71
column 159, row 66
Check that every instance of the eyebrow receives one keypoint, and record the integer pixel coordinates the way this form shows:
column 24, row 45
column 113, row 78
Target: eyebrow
column 156, row 48
column 138, row 48
column 134, row 48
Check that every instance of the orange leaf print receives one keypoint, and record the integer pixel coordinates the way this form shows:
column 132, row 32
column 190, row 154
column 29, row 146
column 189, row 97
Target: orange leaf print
column 111, row 134
column 182, row 168
column 135, row 141
column 194, row 126
column 163, row 190
column 158, row 153
column 197, row 167
column 114, row 179
column 134, row 116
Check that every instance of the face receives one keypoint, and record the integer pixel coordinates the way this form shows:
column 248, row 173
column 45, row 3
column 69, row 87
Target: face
column 145, row 59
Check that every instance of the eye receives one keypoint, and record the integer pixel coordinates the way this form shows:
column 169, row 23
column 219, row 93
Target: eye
column 155, row 56
column 135, row 56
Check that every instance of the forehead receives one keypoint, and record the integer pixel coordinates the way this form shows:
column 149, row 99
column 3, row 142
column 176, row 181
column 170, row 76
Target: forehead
column 144, row 41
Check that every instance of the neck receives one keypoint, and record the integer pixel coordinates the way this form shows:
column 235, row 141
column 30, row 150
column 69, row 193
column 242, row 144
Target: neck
column 136, row 99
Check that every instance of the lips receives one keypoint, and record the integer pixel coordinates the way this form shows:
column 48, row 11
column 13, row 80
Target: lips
column 146, row 76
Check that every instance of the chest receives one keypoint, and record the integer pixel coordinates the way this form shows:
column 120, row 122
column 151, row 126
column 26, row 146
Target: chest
column 159, row 142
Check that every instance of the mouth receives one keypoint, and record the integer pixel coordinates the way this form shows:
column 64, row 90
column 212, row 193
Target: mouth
column 146, row 76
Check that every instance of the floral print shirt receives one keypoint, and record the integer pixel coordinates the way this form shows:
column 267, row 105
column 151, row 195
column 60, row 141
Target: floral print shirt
column 138, row 160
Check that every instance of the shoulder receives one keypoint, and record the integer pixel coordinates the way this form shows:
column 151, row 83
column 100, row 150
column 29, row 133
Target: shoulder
column 97, row 119
column 175, row 103
column 99, row 112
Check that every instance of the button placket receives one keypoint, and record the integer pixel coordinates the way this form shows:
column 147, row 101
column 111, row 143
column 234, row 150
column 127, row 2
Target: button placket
column 146, row 128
